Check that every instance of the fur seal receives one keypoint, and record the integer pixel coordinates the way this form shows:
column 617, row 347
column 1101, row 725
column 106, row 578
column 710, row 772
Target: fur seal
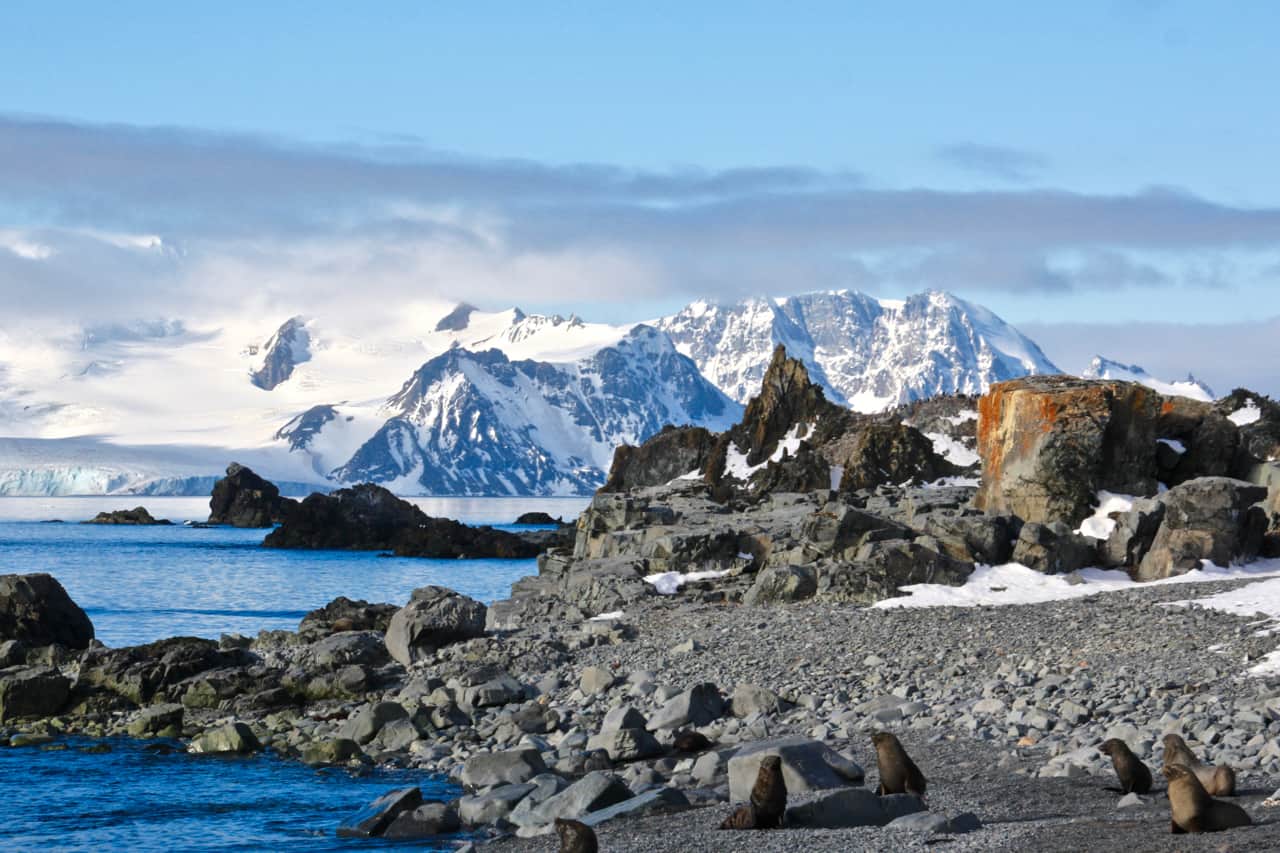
column 691, row 741
column 768, row 799
column 1218, row 780
column 576, row 837
column 1135, row 777
column 1191, row 809
column 898, row 773
column 743, row 818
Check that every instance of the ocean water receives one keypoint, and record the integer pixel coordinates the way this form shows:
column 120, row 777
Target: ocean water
column 144, row 583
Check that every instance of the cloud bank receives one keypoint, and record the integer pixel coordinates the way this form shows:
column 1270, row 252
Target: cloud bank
column 114, row 222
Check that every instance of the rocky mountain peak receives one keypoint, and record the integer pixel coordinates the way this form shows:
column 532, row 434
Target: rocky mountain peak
column 787, row 399
column 283, row 351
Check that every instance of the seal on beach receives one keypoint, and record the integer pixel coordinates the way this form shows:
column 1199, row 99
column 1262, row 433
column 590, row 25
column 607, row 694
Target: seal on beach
column 744, row 817
column 1218, row 780
column 1191, row 809
column 576, row 837
column 768, row 799
column 690, row 742
column 898, row 773
column 1135, row 777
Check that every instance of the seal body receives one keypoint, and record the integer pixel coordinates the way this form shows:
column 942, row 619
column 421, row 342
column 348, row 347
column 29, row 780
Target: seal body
column 576, row 837
column 1191, row 809
column 1135, row 777
column 743, row 818
column 1218, row 780
column 690, row 741
column 769, row 794
column 898, row 773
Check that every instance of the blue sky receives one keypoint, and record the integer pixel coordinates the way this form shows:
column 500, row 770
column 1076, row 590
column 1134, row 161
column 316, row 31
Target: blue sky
column 1085, row 162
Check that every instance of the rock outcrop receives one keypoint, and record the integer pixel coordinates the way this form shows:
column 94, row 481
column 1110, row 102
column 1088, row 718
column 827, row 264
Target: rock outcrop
column 673, row 452
column 36, row 611
column 886, row 452
column 1050, row 443
column 138, row 515
column 1210, row 518
column 434, row 617
column 370, row 518
column 243, row 499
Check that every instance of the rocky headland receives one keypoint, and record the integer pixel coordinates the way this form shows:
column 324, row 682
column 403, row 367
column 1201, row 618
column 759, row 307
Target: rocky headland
column 711, row 607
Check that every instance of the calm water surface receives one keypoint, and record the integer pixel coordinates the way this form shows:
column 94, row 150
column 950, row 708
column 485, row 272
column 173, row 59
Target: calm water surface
column 143, row 583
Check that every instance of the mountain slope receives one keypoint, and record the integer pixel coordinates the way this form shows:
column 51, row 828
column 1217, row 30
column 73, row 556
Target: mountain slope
column 1105, row 368
column 867, row 353
column 475, row 423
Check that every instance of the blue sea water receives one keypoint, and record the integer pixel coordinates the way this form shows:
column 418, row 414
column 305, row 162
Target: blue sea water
column 140, row 584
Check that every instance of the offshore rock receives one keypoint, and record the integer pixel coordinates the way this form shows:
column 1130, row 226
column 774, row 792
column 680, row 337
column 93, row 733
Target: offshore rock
column 35, row 610
column 243, row 499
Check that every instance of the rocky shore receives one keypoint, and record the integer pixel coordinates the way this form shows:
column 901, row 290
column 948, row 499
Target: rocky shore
column 718, row 587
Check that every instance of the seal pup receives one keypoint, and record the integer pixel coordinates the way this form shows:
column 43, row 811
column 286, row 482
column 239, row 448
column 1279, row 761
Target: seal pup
column 1191, row 809
column 690, row 741
column 1218, row 780
column 576, row 837
column 1135, row 777
column 768, row 803
column 898, row 773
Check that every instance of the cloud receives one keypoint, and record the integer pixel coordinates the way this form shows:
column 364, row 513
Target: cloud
column 112, row 222
column 994, row 161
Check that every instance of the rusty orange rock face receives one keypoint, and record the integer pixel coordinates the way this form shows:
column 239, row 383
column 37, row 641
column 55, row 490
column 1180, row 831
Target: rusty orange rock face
column 1049, row 443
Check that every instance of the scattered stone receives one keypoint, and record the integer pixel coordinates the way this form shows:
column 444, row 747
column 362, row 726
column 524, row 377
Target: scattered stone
column 234, row 737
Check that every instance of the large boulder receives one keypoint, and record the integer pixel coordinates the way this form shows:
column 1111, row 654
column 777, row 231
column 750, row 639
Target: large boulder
column 882, row 567
column 36, row 611
column 697, row 706
column 597, row 790
column 1053, row 549
column 370, row 518
column 374, row 819
column 343, row 614
column 233, row 738
column 1050, row 443
column 1133, row 534
column 243, row 499
column 673, row 452
column 1209, row 518
column 433, row 618
column 807, row 765
column 778, row 584
column 155, row 670
column 486, row 769
column 35, row 691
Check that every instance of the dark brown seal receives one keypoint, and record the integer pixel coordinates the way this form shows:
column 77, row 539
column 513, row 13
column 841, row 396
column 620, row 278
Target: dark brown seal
column 576, row 837
column 1135, row 777
column 1218, row 780
column 1191, row 809
column 691, row 741
column 769, row 794
column 898, row 773
column 743, row 818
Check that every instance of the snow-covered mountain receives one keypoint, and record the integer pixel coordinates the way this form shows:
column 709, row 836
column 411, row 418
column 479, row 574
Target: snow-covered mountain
column 489, row 402
column 867, row 353
column 479, row 423
column 1105, row 368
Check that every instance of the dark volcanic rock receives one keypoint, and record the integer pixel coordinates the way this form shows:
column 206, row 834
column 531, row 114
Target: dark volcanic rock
column 143, row 673
column 672, row 453
column 375, row 818
column 243, row 499
column 370, row 518
column 540, row 518
column 137, row 515
column 879, row 453
column 36, row 611
column 1050, row 443
column 32, row 691
column 286, row 349
column 343, row 614
column 882, row 568
column 1053, row 549
column 1210, row 518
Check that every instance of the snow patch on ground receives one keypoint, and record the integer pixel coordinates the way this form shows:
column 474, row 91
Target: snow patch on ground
column 669, row 583
column 966, row 415
column 952, row 449
column 607, row 617
column 1245, row 415
column 1014, row 583
column 1261, row 600
column 944, row 482
column 735, row 461
column 1098, row 525
column 1173, row 444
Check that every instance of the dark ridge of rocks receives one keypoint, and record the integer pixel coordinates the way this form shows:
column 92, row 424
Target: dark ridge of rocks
column 886, row 452
column 244, row 499
column 538, row 518
column 1260, row 440
column 370, row 518
column 36, row 611
column 673, row 452
column 138, row 515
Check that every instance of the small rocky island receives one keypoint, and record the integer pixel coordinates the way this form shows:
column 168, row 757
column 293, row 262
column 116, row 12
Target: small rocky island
column 709, row 612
